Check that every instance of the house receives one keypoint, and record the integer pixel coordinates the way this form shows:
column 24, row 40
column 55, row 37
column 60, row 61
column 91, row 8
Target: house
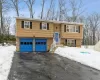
column 38, row 35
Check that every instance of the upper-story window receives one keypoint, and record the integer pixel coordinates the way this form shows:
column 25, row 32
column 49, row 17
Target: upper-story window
column 71, row 28
column 44, row 26
column 77, row 28
column 27, row 24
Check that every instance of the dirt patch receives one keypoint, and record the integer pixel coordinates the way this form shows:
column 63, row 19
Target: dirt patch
column 47, row 66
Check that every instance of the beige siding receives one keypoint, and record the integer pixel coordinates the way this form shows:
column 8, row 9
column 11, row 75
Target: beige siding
column 78, row 42
column 62, row 41
column 35, row 31
column 57, row 28
column 72, row 35
column 49, row 42
column 17, row 44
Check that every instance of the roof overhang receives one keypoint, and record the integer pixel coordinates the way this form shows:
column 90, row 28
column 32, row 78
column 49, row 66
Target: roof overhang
column 51, row 21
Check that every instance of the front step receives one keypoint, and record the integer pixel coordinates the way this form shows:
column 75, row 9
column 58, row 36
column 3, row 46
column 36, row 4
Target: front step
column 52, row 49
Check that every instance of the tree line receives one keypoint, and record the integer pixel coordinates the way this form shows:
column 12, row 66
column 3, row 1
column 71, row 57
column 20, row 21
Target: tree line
column 60, row 10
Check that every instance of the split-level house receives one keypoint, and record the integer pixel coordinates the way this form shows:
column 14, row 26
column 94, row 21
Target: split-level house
column 38, row 35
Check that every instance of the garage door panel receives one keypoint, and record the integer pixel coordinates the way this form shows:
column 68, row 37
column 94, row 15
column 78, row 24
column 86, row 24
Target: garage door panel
column 41, row 45
column 26, row 45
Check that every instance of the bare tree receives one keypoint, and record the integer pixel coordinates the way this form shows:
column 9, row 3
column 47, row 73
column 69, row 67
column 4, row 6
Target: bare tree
column 30, row 4
column 98, row 34
column 56, row 16
column 42, row 12
column 63, row 10
column 86, row 31
column 94, row 22
column 3, row 7
column 7, row 24
column 1, row 22
column 76, row 9
column 15, row 6
column 50, row 10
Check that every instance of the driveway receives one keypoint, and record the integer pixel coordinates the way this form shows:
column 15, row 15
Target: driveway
column 48, row 66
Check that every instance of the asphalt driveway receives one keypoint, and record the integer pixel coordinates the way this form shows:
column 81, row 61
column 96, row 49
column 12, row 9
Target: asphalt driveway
column 48, row 66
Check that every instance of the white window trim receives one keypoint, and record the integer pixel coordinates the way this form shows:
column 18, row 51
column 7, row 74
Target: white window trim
column 25, row 24
column 69, row 29
column 42, row 26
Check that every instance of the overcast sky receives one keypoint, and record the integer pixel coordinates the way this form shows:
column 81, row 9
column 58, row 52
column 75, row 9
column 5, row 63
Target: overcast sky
column 90, row 6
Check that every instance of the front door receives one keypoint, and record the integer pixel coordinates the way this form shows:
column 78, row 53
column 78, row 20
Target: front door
column 56, row 37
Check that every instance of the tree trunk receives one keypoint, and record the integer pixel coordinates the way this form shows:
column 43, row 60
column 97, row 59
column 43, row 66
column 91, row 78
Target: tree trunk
column 17, row 13
column 42, row 9
column 1, row 26
column 31, row 13
column 93, row 37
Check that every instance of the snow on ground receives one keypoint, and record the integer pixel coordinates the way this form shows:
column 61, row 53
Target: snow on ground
column 88, row 46
column 6, row 55
column 87, row 57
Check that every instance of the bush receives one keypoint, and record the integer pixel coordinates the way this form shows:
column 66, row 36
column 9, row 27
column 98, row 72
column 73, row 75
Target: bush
column 7, row 38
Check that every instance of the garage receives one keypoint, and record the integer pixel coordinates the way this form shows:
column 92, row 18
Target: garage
column 26, row 45
column 40, row 45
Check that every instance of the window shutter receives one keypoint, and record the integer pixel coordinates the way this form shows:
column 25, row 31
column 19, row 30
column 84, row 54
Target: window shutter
column 47, row 26
column 65, row 41
column 75, row 43
column 30, row 25
column 64, row 28
column 79, row 29
column 40, row 25
column 22, row 24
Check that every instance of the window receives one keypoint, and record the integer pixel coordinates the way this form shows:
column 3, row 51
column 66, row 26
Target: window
column 70, row 42
column 24, row 43
column 27, row 43
column 44, row 43
column 27, row 24
column 21, row 43
column 72, row 28
column 44, row 26
column 67, row 28
column 77, row 29
column 30, row 43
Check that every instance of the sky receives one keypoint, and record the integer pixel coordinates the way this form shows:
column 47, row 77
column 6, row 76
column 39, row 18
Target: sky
column 90, row 6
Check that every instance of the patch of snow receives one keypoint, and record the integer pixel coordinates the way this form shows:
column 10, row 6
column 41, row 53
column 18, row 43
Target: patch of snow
column 6, row 55
column 88, row 46
column 97, row 46
column 92, row 59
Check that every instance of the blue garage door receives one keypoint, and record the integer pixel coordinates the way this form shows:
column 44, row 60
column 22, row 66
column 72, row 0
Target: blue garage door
column 40, row 45
column 26, row 45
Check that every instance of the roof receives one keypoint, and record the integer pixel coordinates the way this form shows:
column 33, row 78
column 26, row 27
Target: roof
column 52, row 21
